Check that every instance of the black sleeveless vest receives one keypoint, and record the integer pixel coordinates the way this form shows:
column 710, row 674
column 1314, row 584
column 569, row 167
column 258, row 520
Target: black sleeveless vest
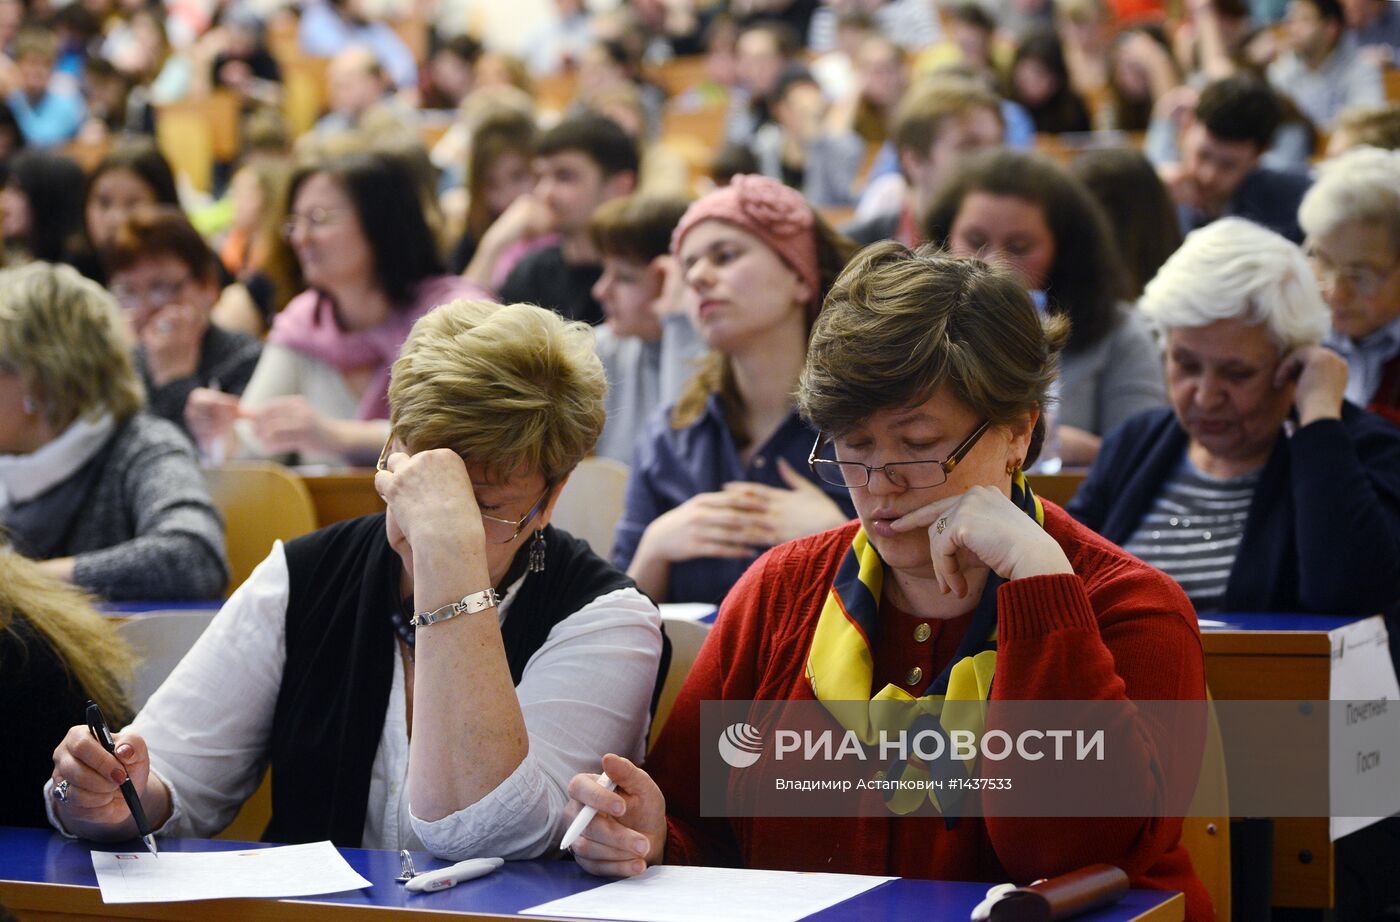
column 344, row 582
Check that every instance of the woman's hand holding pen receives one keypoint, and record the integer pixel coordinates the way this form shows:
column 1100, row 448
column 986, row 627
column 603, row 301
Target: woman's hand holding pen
column 92, row 805
column 629, row 832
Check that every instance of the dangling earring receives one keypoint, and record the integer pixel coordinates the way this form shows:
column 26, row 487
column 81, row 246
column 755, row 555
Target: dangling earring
column 1013, row 467
column 537, row 553
column 28, row 405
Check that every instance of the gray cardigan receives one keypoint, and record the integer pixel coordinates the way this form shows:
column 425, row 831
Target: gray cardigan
column 144, row 526
column 1114, row 379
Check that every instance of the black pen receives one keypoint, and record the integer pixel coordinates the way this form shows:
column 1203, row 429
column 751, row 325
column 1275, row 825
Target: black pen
column 98, row 725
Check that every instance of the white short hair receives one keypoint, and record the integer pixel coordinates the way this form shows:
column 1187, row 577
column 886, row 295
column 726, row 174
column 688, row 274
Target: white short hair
column 1362, row 185
column 1235, row 269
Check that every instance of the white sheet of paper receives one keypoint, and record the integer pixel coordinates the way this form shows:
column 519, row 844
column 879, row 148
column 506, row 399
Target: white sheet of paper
column 687, row 611
column 288, row 870
column 1365, row 752
column 667, row 893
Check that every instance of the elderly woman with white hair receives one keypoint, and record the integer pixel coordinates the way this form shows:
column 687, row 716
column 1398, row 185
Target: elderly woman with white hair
column 1351, row 217
column 1260, row 489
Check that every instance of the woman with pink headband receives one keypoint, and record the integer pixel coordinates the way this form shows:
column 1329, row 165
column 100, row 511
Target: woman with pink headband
column 722, row 474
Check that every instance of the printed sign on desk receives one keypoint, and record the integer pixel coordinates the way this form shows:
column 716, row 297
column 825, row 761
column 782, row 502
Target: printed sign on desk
column 1365, row 727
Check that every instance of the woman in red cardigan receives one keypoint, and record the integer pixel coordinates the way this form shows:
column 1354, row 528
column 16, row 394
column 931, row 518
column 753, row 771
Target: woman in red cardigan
column 954, row 575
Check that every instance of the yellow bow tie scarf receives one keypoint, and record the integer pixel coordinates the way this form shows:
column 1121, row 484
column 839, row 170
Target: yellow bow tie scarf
column 840, row 666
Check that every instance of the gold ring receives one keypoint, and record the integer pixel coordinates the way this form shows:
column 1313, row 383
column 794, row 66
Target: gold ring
column 941, row 524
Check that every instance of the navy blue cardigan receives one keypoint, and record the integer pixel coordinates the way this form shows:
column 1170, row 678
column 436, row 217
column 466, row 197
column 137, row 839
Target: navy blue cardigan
column 1323, row 533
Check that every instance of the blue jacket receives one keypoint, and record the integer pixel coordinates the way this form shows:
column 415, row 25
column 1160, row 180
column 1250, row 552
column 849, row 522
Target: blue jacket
column 1323, row 533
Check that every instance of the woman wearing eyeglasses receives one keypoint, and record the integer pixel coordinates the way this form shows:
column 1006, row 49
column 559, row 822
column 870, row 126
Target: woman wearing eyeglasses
column 1352, row 218
column 925, row 377
column 430, row 677
column 372, row 268
column 1261, row 489
column 166, row 280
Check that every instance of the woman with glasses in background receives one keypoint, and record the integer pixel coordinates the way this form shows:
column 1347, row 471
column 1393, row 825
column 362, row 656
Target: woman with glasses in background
column 536, row 656
column 166, row 280
column 1351, row 216
column 926, row 377
column 372, row 268
column 1264, row 488
column 1261, row 488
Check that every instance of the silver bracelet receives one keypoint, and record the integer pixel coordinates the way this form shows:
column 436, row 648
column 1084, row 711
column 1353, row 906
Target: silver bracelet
column 469, row 604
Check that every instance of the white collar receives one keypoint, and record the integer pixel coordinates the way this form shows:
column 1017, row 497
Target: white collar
column 24, row 477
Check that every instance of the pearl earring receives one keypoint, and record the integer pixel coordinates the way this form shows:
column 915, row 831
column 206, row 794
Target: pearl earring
column 29, row 407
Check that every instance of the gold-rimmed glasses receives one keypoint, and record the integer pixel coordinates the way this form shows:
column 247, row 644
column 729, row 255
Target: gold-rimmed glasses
column 907, row 475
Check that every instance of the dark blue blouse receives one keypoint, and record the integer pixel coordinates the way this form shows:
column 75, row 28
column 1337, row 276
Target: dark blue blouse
column 672, row 465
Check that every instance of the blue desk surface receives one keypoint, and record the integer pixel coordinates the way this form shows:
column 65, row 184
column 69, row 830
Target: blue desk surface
column 1278, row 621
column 1235, row 621
column 40, row 856
column 136, row 608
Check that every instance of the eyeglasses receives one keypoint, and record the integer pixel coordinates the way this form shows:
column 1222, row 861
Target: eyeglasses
column 156, row 296
column 498, row 531
column 907, row 475
column 314, row 219
column 1363, row 280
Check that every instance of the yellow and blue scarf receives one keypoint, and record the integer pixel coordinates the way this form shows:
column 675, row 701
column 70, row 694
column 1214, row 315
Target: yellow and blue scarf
column 840, row 667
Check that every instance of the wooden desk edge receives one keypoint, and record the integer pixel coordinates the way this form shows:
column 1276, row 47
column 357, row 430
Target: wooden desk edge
column 1271, row 643
column 42, row 901
column 1173, row 910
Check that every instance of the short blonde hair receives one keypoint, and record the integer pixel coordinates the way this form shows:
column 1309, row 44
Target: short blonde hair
column 1234, row 269
column 64, row 336
column 514, row 387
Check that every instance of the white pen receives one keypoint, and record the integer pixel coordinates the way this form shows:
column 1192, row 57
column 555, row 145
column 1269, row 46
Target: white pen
column 470, row 869
column 585, row 816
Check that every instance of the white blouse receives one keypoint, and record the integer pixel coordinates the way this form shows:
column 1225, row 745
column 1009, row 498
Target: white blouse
column 282, row 372
column 585, row 692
